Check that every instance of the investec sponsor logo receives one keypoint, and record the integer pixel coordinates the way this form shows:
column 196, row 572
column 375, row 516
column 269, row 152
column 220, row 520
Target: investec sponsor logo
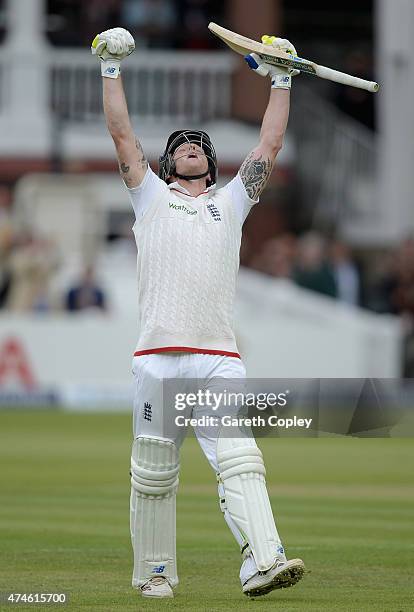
column 183, row 207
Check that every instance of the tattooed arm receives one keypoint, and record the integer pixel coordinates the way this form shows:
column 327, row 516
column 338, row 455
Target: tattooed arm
column 257, row 167
column 131, row 158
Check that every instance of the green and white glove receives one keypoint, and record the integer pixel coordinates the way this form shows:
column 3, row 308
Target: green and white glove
column 280, row 77
column 111, row 47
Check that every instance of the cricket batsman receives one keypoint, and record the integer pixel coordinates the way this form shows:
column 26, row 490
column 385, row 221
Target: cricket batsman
column 188, row 235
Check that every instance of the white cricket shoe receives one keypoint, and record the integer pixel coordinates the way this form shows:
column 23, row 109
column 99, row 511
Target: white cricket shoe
column 158, row 586
column 282, row 574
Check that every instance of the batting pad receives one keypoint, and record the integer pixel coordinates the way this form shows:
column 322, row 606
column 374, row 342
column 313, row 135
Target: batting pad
column 242, row 473
column 154, row 482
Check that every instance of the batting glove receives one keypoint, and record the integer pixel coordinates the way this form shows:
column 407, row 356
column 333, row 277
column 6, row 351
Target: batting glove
column 111, row 47
column 280, row 77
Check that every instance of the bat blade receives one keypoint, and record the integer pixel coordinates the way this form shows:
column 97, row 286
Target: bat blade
column 244, row 46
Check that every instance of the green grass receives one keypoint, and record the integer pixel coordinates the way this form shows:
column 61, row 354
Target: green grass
column 345, row 506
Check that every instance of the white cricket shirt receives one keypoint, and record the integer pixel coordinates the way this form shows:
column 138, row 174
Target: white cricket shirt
column 188, row 259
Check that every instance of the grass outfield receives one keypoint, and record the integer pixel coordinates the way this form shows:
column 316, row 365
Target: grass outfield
column 345, row 506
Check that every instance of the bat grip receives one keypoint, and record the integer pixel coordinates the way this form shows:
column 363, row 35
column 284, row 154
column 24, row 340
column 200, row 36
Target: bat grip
column 345, row 79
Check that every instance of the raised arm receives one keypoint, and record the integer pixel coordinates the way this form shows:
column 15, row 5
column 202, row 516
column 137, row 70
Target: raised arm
column 258, row 165
column 131, row 158
column 111, row 47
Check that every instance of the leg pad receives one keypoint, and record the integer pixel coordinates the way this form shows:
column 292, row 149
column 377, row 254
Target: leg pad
column 242, row 473
column 154, row 482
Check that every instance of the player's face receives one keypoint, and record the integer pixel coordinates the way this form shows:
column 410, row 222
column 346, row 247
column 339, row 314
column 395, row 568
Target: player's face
column 190, row 159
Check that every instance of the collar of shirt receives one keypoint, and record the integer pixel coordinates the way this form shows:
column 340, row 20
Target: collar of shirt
column 177, row 187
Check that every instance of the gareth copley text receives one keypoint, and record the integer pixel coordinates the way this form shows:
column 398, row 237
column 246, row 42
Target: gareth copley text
column 231, row 421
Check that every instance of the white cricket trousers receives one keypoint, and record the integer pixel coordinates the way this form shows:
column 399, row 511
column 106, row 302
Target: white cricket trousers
column 152, row 413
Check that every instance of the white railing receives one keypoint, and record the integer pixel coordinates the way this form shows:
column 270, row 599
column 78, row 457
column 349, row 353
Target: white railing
column 44, row 90
column 336, row 162
column 161, row 86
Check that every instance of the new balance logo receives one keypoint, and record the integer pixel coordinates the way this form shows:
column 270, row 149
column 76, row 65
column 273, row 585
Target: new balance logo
column 147, row 413
column 158, row 569
column 110, row 70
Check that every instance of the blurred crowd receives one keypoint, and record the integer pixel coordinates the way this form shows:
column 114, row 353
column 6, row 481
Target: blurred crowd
column 312, row 263
column 29, row 264
column 172, row 24
column 383, row 282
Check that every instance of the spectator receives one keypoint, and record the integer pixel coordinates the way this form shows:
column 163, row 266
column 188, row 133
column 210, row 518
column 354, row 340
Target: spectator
column 402, row 285
column 312, row 271
column 345, row 272
column 276, row 257
column 32, row 264
column 394, row 292
column 87, row 294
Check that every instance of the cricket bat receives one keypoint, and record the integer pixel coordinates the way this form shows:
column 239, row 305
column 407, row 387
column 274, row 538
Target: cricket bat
column 244, row 46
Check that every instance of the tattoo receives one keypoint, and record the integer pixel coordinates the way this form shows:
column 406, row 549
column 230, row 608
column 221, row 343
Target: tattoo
column 124, row 171
column 141, row 157
column 255, row 173
column 124, row 168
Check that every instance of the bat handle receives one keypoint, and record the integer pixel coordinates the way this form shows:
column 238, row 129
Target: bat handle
column 345, row 79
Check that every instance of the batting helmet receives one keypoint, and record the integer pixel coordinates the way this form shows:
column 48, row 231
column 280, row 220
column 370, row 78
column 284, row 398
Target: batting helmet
column 176, row 139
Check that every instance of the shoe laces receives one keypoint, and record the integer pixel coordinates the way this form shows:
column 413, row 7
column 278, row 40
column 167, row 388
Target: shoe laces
column 155, row 581
column 277, row 563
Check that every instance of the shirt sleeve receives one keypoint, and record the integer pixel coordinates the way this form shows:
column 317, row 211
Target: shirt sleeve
column 241, row 201
column 146, row 193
